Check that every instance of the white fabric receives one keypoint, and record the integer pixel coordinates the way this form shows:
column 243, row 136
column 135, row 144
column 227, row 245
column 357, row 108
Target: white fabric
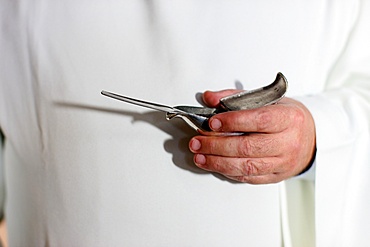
column 342, row 116
column 85, row 170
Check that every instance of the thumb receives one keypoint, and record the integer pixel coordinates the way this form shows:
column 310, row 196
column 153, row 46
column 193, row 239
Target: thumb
column 212, row 98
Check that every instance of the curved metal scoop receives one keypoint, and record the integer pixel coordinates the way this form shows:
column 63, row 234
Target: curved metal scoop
column 198, row 117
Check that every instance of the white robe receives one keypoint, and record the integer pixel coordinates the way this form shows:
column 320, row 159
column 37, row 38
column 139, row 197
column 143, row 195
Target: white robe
column 85, row 170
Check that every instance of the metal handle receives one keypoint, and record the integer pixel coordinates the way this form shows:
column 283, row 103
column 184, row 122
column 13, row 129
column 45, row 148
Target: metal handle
column 257, row 98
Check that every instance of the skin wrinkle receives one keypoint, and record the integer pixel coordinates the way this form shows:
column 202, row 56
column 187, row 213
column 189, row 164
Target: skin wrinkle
column 244, row 147
column 250, row 169
column 263, row 145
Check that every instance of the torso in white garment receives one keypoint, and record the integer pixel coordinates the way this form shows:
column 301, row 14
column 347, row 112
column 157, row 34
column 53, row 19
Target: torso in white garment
column 85, row 170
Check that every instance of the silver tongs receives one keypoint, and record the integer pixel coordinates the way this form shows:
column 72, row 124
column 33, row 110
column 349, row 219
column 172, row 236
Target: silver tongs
column 198, row 117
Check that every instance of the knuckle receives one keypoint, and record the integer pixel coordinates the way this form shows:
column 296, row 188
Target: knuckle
column 249, row 168
column 257, row 168
column 263, row 120
column 256, row 145
column 245, row 147
column 298, row 116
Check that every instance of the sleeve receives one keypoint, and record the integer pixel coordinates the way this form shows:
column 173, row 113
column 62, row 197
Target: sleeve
column 342, row 118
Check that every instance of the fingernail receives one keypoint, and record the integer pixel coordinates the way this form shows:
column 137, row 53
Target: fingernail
column 195, row 145
column 215, row 124
column 200, row 159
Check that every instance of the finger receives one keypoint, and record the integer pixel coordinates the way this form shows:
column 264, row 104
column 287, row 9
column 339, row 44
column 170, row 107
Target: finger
column 264, row 179
column 252, row 146
column 268, row 119
column 212, row 99
column 236, row 167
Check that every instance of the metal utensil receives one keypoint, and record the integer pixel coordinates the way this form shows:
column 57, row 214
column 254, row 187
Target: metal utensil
column 198, row 117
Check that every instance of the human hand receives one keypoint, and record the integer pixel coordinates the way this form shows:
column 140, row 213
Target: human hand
column 278, row 141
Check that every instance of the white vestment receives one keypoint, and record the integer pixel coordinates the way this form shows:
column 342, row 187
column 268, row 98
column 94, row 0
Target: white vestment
column 85, row 170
